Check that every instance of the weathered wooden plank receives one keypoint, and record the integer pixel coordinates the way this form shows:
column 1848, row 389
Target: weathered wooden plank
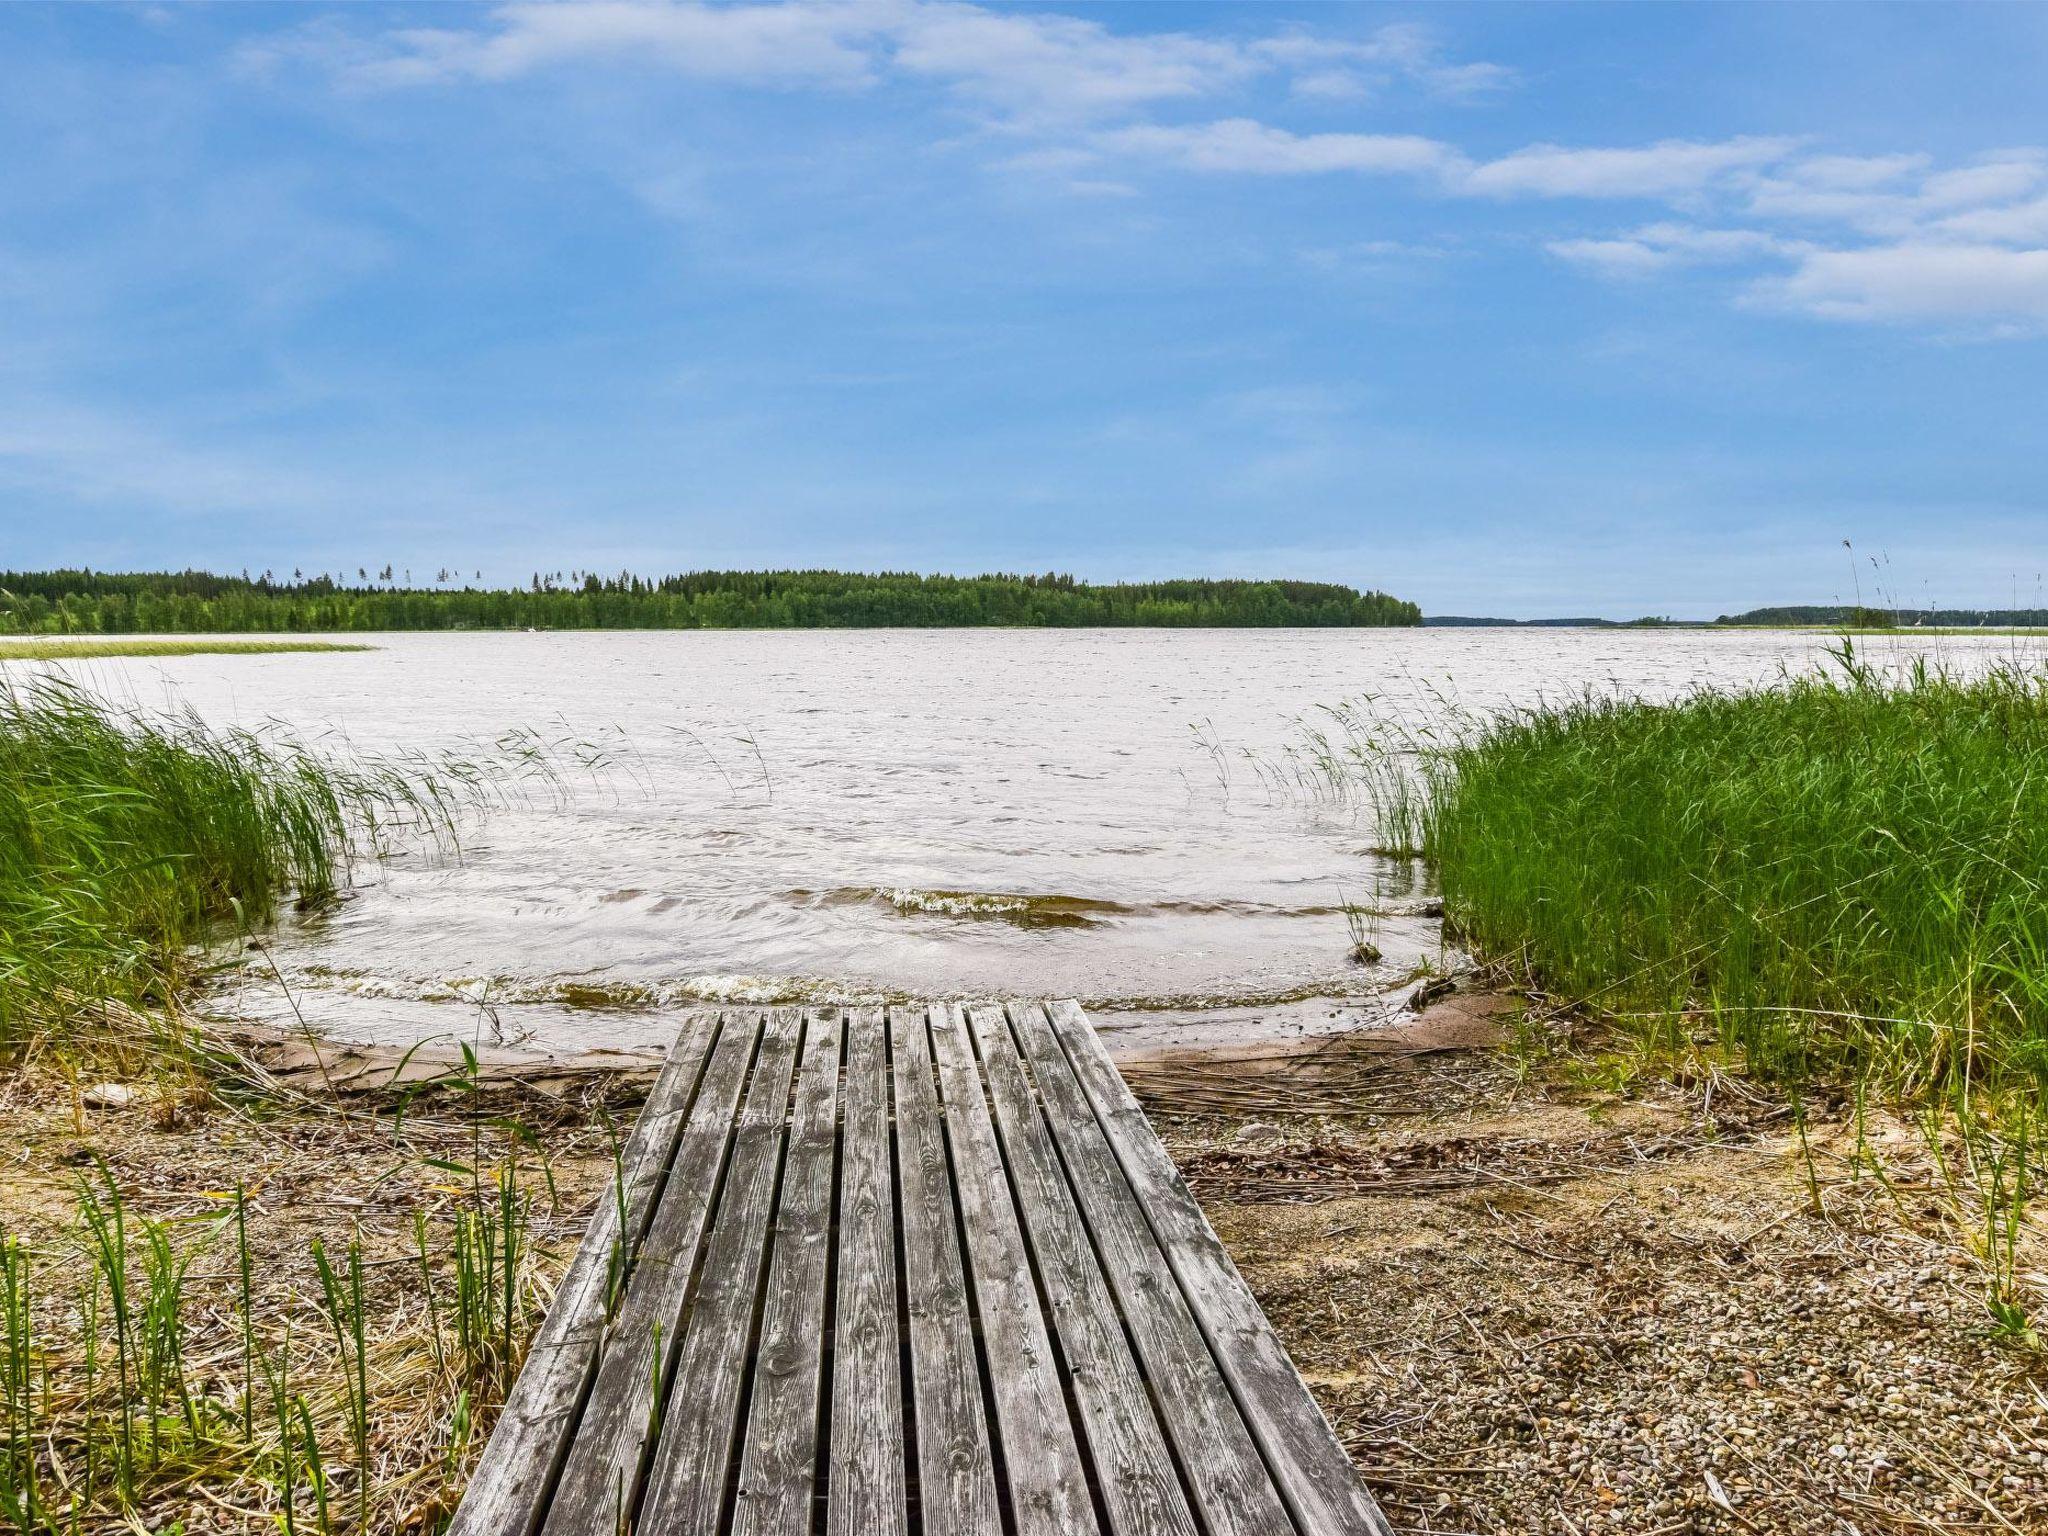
column 956, row 1473
column 508, row 1492
column 866, row 1472
column 1134, row 1470
column 700, row 1427
column 602, row 1473
column 1231, row 1485
column 1310, row 1468
column 1047, row 1486
column 778, row 1470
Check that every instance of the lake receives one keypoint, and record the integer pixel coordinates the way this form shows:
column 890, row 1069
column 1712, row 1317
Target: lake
column 853, row 815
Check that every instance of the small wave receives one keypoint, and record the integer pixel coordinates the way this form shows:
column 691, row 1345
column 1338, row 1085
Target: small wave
column 586, row 994
column 770, row 990
column 1052, row 911
column 1021, row 908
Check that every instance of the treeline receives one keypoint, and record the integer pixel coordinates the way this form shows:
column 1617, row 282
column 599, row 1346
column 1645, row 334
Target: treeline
column 196, row 602
column 1459, row 621
column 1893, row 618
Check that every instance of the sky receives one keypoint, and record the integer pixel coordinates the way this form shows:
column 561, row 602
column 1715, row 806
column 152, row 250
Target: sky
column 1529, row 311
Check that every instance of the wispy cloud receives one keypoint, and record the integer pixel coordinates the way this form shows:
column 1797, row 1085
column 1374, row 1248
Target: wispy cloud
column 1348, row 69
column 1883, row 239
column 1989, row 285
column 1242, row 146
column 1657, row 248
column 1033, row 66
column 1664, row 169
column 1792, row 226
column 1669, row 169
column 759, row 44
column 1026, row 67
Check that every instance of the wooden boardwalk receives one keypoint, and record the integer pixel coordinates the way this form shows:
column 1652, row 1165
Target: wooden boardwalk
column 917, row 1270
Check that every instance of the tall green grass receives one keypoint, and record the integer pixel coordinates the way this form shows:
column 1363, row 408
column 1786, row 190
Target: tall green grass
column 126, row 839
column 1841, row 875
column 1836, row 883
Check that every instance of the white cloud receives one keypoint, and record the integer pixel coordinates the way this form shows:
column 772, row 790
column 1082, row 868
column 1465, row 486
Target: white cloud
column 1875, row 239
column 1659, row 247
column 1886, row 202
column 760, row 43
column 1029, row 66
column 1853, row 173
column 1985, row 284
column 1878, row 236
column 1341, row 68
column 1243, row 146
column 1668, row 170
column 1657, row 170
column 1331, row 85
column 1614, row 257
column 2008, row 176
column 1461, row 80
column 2014, row 224
column 1035, row 64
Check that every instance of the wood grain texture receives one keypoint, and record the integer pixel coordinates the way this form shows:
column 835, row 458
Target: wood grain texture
column 1065, row 1349
column 1309, row 1466
column 601, row 1477
column 1218, row 1457
column 700, row 1426
column 778, row 1469
column 515, row 1476
column 701, row 1420
column 1041, row 1458
column 956, row 1471
column 868, row 1460
column 1134, row 1470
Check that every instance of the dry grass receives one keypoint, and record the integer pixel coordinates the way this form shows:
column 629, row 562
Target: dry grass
column 1531, row 1303
column 312, row 1175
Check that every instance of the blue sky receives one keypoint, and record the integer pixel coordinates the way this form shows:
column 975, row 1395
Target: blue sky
column 1534, row 310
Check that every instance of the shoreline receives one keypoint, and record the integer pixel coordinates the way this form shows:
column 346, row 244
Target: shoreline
column 304, row 1060
column 1527, row 1297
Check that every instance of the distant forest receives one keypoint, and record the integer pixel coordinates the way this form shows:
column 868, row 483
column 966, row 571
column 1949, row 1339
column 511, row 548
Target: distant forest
column 1894, row 618
column 193, row 602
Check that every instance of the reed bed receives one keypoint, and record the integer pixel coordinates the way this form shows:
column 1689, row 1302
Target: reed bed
column 249, row 1361
column 1842, row 875
column 1835, row 882
column 129, row 840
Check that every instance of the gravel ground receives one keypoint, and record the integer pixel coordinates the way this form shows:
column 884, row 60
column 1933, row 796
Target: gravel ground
column 1527, row 1305
column 1539, row 1309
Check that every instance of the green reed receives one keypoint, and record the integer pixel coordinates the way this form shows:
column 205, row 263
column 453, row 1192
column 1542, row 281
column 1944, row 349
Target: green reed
column 488, row 1310
column 245, row 1277
column 21, row 1497
column 284, row 1404
column 126, row 839
column 106, row 1231
column 1837, row 880
column 1842, row 875
column 101, row 1407
column 344, row 1306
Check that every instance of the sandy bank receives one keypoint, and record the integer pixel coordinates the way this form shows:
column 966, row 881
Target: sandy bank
column 1530, row 1299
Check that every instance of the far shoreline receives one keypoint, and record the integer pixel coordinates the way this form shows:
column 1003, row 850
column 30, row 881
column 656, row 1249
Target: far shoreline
column 91, row 648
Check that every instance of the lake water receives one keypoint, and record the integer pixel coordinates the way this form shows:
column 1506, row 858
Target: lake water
column 858, row 815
